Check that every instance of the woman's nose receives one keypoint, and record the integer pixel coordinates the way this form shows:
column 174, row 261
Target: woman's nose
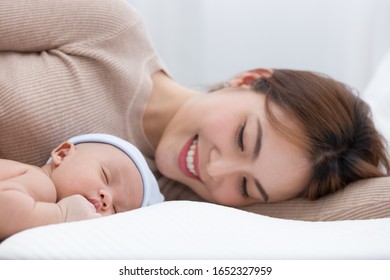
column 221, row 166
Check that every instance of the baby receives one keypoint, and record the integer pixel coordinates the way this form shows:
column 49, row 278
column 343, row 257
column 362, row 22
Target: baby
column 88, row 176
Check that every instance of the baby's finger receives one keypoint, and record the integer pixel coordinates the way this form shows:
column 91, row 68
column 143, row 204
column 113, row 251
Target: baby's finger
column 91, row 207
column 96, row 215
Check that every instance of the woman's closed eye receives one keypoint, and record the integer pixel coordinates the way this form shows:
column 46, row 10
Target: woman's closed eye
column 244, row 188
column 240, row 137
column 241, row 145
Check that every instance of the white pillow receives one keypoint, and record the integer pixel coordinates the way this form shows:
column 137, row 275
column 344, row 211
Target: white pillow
column 199, row 230
column 377, row 95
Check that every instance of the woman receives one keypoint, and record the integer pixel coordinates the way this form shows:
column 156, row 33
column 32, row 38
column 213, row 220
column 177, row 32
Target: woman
column 73, row 67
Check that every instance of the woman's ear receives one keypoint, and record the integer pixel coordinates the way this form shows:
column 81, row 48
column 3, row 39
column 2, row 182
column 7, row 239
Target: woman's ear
column 61, row 151
column 245, row 79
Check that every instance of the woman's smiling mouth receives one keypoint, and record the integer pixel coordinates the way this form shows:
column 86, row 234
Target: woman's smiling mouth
column 188, row 159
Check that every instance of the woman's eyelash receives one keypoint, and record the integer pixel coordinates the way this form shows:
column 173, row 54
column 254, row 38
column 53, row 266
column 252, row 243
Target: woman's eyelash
column 240, row 137
column 244, row 188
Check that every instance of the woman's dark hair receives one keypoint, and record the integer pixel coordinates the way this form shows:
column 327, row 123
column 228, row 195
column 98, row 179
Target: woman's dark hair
column 341, row 140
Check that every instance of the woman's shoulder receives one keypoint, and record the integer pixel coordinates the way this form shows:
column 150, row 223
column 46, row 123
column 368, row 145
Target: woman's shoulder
column 104, row 24
column 116, row 12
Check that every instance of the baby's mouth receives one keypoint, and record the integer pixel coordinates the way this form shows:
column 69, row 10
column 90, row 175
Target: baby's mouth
column 95, row 203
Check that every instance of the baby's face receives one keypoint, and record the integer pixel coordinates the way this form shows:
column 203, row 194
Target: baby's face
column 103, row 174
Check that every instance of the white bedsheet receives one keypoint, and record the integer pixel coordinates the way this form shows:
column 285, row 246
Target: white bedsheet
column 197, row 230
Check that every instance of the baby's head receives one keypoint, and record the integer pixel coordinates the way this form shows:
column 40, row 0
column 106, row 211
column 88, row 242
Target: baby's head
column 108, row 171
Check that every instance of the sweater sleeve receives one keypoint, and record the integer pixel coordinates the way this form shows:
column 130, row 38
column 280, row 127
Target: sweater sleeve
column 34, row 26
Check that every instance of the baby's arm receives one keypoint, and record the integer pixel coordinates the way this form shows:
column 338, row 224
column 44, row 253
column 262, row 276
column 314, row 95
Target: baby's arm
column 19, row 211
column 28, row 199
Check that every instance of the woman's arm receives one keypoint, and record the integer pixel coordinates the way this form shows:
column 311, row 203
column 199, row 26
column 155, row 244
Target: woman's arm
column 34, row 26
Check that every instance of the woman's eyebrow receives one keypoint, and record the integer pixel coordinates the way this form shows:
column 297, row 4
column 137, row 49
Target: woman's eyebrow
column 261, row 190
column 259, row 135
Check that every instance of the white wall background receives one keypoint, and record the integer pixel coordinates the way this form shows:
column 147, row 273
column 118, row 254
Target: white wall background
column 206, row 42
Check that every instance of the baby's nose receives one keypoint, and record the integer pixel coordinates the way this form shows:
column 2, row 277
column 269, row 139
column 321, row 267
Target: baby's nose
column 106, row 200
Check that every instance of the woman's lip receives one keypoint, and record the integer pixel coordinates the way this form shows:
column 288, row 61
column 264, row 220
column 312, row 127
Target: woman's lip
column 95, row 203
column 183, row 162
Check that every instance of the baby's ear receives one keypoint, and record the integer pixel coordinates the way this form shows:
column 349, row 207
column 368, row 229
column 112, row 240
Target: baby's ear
column 61, row 151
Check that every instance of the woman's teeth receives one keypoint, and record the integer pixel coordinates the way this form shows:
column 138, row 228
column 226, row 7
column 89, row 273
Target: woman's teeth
column 190, row 157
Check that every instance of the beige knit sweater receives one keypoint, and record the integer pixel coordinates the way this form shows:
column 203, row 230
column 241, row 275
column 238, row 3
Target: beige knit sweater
column 70, row 67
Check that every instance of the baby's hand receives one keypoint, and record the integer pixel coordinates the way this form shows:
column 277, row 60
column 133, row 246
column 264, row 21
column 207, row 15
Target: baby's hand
column 76, row 208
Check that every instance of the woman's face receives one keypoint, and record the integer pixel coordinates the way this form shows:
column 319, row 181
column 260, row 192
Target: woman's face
column 101, row 173
column 223, row 147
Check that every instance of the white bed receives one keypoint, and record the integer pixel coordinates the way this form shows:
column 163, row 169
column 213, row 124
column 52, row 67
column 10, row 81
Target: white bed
column 198, row 230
